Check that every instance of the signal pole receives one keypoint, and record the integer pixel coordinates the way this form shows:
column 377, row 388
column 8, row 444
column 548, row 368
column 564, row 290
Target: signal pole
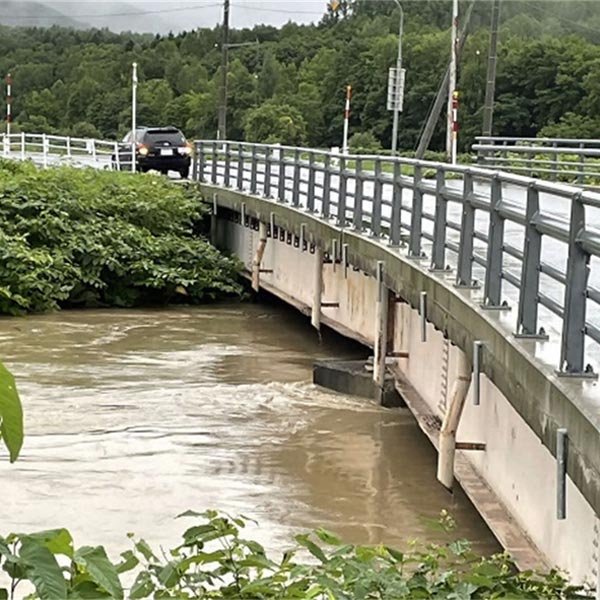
column 222, row 119
column 346, row 120
column 9, row 82
column 134, row 82
column 451, row 131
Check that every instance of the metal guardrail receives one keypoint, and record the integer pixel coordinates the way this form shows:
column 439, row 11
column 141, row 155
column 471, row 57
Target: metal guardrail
column 460, row 217
column 573, row 160
column 47, row 150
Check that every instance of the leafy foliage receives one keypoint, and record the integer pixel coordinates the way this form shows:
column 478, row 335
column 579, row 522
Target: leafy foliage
column 215, row 561
column 73, row 237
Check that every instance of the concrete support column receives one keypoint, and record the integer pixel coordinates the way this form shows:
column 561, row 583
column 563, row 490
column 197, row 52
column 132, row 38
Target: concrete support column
column 258, row 256
column 447, row 439
column 380, row 346
column 315, row 319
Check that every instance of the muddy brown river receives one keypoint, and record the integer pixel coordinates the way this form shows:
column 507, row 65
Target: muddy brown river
column 135, row 416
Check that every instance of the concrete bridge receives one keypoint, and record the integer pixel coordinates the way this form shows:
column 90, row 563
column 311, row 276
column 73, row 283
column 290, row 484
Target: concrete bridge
column 478, row 290
column 475, row 288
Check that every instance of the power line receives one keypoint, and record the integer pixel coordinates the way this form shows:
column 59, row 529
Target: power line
column 245, row 6
column 104, row 15
column 563, row 19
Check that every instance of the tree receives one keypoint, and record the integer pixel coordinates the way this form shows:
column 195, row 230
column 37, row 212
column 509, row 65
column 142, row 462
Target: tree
column 274, row 123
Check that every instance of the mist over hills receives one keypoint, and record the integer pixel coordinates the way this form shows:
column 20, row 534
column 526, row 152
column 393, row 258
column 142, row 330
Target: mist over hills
column 154, row 16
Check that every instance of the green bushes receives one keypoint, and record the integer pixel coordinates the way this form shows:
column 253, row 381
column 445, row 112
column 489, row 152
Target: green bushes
column 79, row 237
column 215, row 561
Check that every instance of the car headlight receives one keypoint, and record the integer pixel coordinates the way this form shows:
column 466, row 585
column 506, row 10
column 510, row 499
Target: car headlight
column 143, row 151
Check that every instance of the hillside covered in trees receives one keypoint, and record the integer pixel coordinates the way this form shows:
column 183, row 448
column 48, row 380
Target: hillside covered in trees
column 289, row 85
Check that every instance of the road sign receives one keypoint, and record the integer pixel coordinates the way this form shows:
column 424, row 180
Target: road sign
column 395, row 95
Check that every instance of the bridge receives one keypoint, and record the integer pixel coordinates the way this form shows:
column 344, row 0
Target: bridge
column 477, row 289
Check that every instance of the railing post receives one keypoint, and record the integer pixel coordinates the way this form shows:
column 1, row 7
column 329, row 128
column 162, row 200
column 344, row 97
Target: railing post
column 554, row 161
column 239, row 176
column 581, row 176
column 357, row 220
column 69, row 147
column 377, row 200
column 227, row 168
column 296, row 179
column 416, row 221
column 23, row 154
column 438, row 251
column 44, row 150
column 530, row 271
column 281, row 177
column 572, row 353
column 493, row 272
column 326, row 200
column 396, row 218
column 215, row 162
column 267, row 181
column 464, row 269
column 310, row 191
column 253, row 171
column 94, row 153
column 117, row 157
column 343, row 183
column 199, row 162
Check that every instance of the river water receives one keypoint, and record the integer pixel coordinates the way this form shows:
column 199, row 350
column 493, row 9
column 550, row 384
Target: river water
column 132, row 417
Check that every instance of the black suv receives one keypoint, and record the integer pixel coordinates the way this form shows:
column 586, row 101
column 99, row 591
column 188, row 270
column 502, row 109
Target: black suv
column 163, row 149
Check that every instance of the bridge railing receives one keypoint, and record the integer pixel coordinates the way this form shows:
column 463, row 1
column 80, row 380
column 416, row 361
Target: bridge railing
column 571, row 160
column 47, row 150
column 519, row 241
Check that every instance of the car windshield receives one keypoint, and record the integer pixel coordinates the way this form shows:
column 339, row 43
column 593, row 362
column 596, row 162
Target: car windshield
column 158, row 136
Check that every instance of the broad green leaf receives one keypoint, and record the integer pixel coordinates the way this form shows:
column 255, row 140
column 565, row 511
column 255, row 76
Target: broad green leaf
column 3, row 594
column 327, row 537
column 100, row 569
column 43, row 570
column 58, row 541
column 304, row 540
column 130, row 561
column 142, row 586
column 142, row 547
column 11, row 414
column 88, row 590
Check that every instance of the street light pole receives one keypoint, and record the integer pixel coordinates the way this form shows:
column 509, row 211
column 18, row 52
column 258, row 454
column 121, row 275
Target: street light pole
column 222, row 125
column 398, row 77
column 134, row 82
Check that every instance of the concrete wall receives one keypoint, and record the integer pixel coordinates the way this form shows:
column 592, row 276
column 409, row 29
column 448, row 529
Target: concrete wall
column 517, row 467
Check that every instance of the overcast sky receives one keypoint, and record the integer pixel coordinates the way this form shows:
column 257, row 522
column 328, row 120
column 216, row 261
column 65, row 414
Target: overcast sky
column 179, row 15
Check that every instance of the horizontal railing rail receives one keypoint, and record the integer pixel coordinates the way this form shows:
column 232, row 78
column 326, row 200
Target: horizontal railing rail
column 572, row 160
column 520, row 241
column 47, row 150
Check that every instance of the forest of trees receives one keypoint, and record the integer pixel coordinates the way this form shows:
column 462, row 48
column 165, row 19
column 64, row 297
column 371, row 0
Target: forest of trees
column 289, row 85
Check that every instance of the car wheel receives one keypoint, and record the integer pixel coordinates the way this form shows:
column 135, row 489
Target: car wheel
column 185, row 173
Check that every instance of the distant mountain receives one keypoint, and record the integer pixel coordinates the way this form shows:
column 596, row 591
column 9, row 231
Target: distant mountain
column 35, row 14
column 118, row 16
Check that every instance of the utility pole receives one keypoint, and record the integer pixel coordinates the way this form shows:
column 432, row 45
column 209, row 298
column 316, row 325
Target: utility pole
column 490, row 87
column 451, row 132
column 134, row 83
column 436, row 110
column 399, row 84
column 222, row 121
